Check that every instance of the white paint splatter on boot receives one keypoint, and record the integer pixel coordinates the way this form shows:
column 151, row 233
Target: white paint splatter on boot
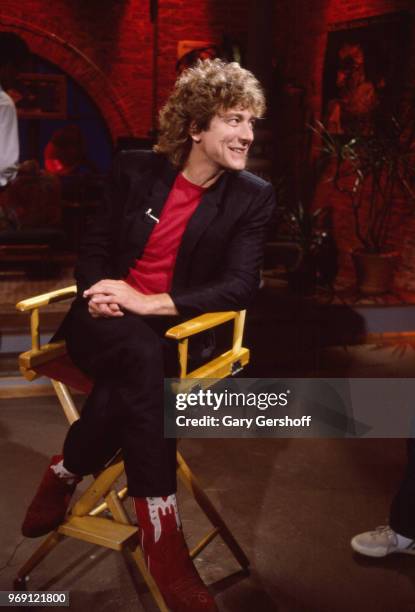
column 156, row 504
column 62, row 472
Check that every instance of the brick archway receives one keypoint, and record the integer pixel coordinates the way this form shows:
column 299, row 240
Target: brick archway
column 78, row 66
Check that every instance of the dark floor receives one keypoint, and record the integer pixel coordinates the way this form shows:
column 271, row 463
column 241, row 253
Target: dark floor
column 292, row 504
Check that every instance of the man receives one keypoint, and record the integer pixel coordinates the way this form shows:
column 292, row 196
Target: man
column 13, row 54
column 181, row 234
column 399, row 535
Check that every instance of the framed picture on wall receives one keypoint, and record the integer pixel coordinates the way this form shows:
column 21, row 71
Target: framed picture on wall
column 40, row 96
column 189, row 51
column 364, row 73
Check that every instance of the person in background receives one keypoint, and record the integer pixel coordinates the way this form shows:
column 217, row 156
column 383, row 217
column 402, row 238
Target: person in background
column 13, row 54
column 399, row 535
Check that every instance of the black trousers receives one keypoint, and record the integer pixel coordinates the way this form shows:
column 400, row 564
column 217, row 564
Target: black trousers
column 402, row 511
column 128, row 358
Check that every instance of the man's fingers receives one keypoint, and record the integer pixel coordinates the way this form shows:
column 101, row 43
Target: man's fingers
column 97, row 309
column 114, row 307
column 103, row 309
column 103, row 299
column 112, row 310
column 102, row 286
column 107, row 311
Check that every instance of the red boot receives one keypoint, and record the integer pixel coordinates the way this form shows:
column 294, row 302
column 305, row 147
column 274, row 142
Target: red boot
column 167, row 556
column 50, row 503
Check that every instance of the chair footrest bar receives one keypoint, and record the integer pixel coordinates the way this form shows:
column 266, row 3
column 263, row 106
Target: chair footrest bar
column 103, row 532
column 104, row 506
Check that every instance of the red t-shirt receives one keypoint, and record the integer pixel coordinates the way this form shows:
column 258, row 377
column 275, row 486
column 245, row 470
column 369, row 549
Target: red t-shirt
column 153, row 272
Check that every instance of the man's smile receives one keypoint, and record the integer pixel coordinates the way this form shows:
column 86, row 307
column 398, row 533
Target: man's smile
column 239, row 150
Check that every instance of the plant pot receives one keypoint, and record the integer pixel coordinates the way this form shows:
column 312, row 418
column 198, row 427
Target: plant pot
column 374, row 271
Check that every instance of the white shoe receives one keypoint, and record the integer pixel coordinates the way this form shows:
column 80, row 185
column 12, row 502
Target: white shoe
column 381, row 542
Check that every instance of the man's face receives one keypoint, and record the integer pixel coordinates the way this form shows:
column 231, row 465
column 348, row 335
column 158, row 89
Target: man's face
column 225, row 144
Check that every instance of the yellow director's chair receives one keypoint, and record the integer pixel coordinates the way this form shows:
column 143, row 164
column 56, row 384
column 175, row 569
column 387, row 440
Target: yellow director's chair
column 84, row 520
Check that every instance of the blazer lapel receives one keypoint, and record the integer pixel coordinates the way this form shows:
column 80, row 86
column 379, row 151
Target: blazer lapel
column 201, row 218
column 149, row 208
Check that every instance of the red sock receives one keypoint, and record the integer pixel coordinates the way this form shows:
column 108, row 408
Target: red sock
column 167, row 555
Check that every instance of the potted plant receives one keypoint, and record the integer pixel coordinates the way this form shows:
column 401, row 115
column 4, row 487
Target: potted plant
column 316, row 263
column 376, row 170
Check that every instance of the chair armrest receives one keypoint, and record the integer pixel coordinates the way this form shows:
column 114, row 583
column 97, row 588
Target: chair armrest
column 46, row 298
column 199, row 324
column 184, row 330
column 33, row 304
column 29, row 360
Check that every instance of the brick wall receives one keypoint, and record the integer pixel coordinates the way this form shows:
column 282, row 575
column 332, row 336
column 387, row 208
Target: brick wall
column 100, row 45
column 107, row 47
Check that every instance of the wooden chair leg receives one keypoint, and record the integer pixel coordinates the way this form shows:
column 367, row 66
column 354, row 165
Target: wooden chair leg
column 40, row 553
column 66, row 401
column 220, row 528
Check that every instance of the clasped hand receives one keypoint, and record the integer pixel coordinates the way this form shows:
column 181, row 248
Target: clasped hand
column 109, row 298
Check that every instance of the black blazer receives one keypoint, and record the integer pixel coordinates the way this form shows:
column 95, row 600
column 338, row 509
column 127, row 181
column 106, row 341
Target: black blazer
column 218, row 263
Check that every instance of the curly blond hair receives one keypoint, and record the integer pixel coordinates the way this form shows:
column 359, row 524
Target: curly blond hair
column 199, row 93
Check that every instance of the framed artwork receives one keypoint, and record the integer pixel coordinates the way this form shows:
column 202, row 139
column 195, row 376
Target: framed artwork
column 40, row 96
column 186, row 46
column 364, row 71
column 189, row 51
